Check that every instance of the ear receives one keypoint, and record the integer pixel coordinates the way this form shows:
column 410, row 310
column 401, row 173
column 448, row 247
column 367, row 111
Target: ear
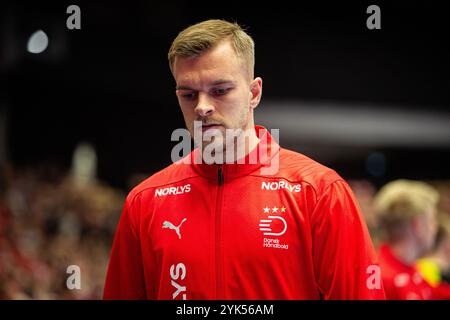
column 255, row 92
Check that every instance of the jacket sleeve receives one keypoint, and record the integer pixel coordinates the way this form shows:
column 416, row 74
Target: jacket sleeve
column 125, row 276
column 344, row 259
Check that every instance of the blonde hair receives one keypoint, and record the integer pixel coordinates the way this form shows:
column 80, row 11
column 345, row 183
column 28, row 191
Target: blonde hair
column 401, row 200
column 194, row 40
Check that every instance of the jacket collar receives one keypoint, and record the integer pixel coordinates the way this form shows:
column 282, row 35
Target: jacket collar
column 258, row 158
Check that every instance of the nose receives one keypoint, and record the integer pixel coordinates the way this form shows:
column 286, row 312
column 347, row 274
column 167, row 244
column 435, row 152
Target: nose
column 204, row 108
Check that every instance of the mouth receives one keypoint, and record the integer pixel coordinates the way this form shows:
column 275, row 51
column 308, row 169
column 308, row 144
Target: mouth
column 206, row 127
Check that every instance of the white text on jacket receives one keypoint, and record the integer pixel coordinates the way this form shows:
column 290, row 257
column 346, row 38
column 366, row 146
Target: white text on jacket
column 277, row 185
column 172, row 190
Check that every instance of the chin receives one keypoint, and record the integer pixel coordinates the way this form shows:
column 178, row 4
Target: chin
column 217, row 145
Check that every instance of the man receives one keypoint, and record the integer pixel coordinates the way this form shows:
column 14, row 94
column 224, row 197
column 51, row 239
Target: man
column 407, row 210
column 270, row 224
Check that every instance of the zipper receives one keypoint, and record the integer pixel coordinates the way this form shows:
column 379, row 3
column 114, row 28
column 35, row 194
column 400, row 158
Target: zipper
column 218, row 227
column 220, row 176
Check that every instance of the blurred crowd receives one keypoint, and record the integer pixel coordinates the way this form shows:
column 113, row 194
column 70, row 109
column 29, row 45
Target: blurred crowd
column 51, row 219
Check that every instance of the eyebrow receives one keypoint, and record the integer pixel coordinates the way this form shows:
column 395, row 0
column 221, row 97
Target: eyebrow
column 214, row 83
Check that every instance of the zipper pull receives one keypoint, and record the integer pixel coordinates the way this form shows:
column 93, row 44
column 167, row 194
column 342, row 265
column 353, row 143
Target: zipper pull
column 220, row 176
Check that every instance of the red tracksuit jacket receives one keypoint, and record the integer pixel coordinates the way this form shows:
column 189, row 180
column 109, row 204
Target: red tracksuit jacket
column 198, row 231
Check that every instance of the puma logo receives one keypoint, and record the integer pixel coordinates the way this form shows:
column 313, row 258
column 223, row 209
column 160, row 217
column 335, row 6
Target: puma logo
column 168, row 224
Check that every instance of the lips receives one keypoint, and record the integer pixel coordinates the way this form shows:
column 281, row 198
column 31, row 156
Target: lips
column 211, row 126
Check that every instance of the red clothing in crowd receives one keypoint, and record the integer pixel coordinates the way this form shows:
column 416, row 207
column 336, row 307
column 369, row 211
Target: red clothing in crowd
column 404, row 282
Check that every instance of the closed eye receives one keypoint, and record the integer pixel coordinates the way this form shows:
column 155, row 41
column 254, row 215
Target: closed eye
column 189, row 95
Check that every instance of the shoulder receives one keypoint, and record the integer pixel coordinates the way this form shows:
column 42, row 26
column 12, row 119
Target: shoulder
column 171, row 175
column 297, row 167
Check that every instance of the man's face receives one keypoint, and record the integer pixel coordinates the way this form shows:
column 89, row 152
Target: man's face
column 427, row 228
column 215, row 88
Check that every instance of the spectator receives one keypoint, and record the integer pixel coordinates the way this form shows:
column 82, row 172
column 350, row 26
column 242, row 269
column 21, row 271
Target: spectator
column 407, row 211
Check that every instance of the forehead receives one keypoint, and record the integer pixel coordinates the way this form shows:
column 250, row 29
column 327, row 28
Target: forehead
column 219, row 61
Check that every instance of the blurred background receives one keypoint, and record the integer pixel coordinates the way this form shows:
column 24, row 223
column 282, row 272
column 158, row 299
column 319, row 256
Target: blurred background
column 90, row 116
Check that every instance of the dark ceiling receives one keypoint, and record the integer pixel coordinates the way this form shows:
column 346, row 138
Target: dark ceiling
column 109, row 82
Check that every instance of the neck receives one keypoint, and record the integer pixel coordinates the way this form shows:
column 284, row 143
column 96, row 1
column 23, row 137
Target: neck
column 440, row 257
column 237, row 147
column 406, row 251
column 244, row 146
